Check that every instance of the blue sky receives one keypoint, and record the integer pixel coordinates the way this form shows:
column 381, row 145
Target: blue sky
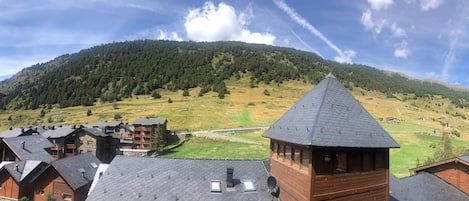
column 420, row 38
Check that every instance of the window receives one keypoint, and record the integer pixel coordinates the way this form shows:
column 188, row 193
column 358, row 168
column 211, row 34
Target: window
column 215, row 186
column 367, row 162
column 67, row 196
column 89, row 142
column 305, row 157
column 297, row 156
column 281, row 151
column 380, row 160
column 288, row 152
column 341, row 163
column 274, row 148
column 354, row 161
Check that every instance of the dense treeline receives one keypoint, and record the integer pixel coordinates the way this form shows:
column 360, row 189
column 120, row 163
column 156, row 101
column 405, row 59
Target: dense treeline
column 120, row 70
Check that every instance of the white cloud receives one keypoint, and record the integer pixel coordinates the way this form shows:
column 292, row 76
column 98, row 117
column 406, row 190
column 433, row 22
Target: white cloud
column 367, row 21
column 154, row 34
column 380, row 4
column 427, row 5
column 402, row 51
column 344, row 57
column 347, row 57
column 164, row 35
column 398, row 31
column 211, row 23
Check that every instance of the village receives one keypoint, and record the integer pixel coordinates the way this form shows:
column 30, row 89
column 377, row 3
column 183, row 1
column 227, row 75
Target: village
column 325, row 147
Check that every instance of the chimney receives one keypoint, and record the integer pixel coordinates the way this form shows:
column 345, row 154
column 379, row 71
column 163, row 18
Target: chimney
column 82, row 171
column 22, row 130
column 22, row 143
column 229, row 177
column 16, row 168
column 11, row 128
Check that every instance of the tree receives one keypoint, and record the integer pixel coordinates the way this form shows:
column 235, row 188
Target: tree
column 185, row 92
column 89, row 112
column 155, row 94
column 43, row 113
column 266, row 92
column 444, row 150
column 170, row 100
column 159, row 139
column 50, row 197
column 117, row 116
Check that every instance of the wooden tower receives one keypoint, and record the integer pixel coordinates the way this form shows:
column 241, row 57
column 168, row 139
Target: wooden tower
column 328, row 147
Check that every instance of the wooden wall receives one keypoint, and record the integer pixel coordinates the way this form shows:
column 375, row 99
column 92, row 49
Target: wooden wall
column 8, row 187
column 454, row 173
column 362, row 185
column 294, row 184
column 50, row 182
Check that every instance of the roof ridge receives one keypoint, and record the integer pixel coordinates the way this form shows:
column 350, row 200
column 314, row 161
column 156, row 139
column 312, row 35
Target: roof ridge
column 316, row 119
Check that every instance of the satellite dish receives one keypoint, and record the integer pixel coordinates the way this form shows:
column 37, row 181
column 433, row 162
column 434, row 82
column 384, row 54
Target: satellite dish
column 271, row 183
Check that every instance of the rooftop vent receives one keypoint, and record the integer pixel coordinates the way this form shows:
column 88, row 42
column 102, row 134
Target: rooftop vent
column 82, row 171
column 229, row 178
column 17, row 168
column 22, row 144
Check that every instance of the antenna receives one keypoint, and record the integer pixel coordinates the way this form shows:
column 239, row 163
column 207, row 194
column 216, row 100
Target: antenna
column 273, row 188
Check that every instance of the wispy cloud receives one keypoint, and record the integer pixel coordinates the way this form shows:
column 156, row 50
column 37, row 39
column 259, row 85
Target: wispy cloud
column 427, row 5
column 305, row 44
column 402, row 51
column 216, row 23
column 344, row 57
column 398, row 31
column 380, row 4
column 370, row 24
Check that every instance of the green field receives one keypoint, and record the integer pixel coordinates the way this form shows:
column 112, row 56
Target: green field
column 197, row 147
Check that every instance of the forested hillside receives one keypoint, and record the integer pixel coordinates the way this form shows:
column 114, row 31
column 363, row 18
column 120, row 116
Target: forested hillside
column 120, row 70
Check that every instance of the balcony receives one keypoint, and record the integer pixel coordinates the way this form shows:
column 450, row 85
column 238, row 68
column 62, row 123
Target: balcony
column 71, row 146
column 70, row 155
column 56, row 148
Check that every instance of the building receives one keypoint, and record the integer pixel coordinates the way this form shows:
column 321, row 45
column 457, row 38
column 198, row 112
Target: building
column 31, row 147
column 145, row 178
column 72, row 140
column 64, row 140
column 424, row 186
column 145, row 129
column 66, row 179
column 328, row 147
column 17, row 132
column 15, row 178
column 94, row 140
column 125, row 131
column 454, row 171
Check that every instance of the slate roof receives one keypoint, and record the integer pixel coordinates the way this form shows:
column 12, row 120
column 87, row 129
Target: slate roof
column 16, row 132
column 329, row 116
column 149, row 121
column 59, row 132
column 461, row 159
column 103, row 124
column 98, row 132
column 34, row 147
column 423, row 186
column 144, row 178
column 69, row 169
column 25, row 169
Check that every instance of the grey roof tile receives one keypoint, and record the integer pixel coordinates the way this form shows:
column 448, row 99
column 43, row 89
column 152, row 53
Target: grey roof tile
column 16, row 132
column 423, row 186
column 23, row 169
column 464, row 158
column 143, row 178
column 78, row 170
column 330, row 116
column 58, row 132
column 34, row 147
column 149, row 121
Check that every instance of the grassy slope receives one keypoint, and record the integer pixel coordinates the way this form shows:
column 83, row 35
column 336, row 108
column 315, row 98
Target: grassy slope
column 246, row 107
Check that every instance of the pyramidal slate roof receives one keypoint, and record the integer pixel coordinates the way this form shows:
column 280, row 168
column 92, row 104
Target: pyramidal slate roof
column 329, row 116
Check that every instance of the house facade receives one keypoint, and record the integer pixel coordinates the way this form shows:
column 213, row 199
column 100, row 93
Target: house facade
column 145, row 129
column 328, row 147
column 454, row 171
column 15, row 178
column 68, row 179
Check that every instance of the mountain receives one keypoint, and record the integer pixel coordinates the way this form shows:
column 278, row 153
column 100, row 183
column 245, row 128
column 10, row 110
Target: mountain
column 115, row 71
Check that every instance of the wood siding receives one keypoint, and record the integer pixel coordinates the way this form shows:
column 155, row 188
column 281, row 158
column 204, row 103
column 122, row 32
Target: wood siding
column 295, row 184
column 9, row 188
column 51, row 182
column 454, row 173
column 358, row 186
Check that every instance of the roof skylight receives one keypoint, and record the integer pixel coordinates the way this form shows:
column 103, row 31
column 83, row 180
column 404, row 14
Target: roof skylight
column 249, row 186
column 215, row 186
